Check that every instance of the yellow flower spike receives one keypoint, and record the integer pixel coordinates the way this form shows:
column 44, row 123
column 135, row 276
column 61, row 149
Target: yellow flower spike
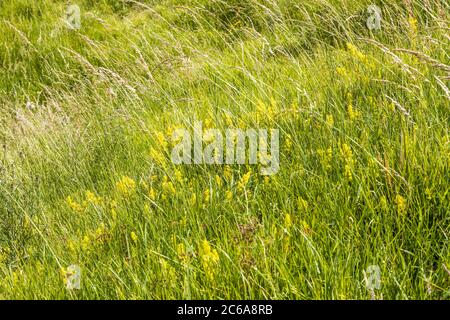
column 330, row 120
column 75, row 206
column 206, row 196
column 193, row 199
column 178, row 176
column 157, row 156
column 134, row 237
column 126, row 186
column 152, row 194
column 228, row 195
column 302, row 204
column 227, row 173
column 244, row 180
column 92, row 198
column 400, row 203
column 287, row 221
column 219, row 181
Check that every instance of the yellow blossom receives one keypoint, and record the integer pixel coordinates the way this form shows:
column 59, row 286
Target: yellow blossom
column 401, row 204
column 134, row 236
column 126, row 186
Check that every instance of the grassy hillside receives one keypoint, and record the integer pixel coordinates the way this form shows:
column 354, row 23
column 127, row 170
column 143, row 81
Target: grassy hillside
column 86, row 123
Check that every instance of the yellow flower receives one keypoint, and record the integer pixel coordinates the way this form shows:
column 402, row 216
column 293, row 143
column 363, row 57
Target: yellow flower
column 206, row 196
column 288, row 142
column 178, row 176
column 161, row 139
column 228, row 195
column 75, row 206
column 92, row 198
column 168, row 187
column 209, row 259
column 287, row 221
column 157, row 156
column 126, row 186
column 342, row 72
column 352, row 113
column 193, row 199
column 227, row 173
column 168, row 272
column 356, row 53
column 330, row 120
column 152, row 194
column 412, row 24
column 218, row 181
column 182, row 253
column 401, row 204
column 302, row 204
column 244, row 180
column 134, row 237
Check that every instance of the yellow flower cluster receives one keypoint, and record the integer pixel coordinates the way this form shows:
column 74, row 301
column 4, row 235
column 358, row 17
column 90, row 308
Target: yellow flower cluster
column 326, row 156
column 75, row 206
column 347, row 155
column 355, row 52
column 126, row 186
column 400, row 203
column 209, row 258
column 244, row 180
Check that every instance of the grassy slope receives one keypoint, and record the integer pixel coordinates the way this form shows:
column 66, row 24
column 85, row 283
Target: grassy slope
column 365, row 157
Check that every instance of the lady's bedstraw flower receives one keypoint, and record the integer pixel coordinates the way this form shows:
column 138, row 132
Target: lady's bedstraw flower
column 75, row 206
column 400, row 202
column 126, row 186
column 244, row 180
column 209, row 259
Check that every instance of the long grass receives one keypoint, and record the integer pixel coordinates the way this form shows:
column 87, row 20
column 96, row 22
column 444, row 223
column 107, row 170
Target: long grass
column 86, row 121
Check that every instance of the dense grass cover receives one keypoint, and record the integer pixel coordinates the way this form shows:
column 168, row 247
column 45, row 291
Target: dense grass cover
column 87, row 117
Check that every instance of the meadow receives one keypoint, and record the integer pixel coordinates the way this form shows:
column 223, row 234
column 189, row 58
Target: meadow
column 360, row 205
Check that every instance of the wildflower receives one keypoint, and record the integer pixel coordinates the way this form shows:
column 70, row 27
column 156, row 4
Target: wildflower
column 401, row 204
column 228, row 195
column 161, row 139
column 288, row 142
column 168, row 272
column 157, row 156
column 75, row 206
column 287, row 221
column 352, row 113
column 134, row 237
column 329, row 120
column 92, row 198
column 178, row 176
column 218, row 180
column 152, row 194
column 227, row 173
column 182, row 253
column 244, row 180
column 348, row 172
column 86, row 243
column 412, row 24
column 193, row 199
column 126, row 186
column 209, row 258
column 206, row 196
column 354, row 51
column 266, row 180
column 168, row 187
column 326, row 156
column 342, row 71
column 302, row 204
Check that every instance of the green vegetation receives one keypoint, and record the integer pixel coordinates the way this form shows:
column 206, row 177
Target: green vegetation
column 86, row 121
